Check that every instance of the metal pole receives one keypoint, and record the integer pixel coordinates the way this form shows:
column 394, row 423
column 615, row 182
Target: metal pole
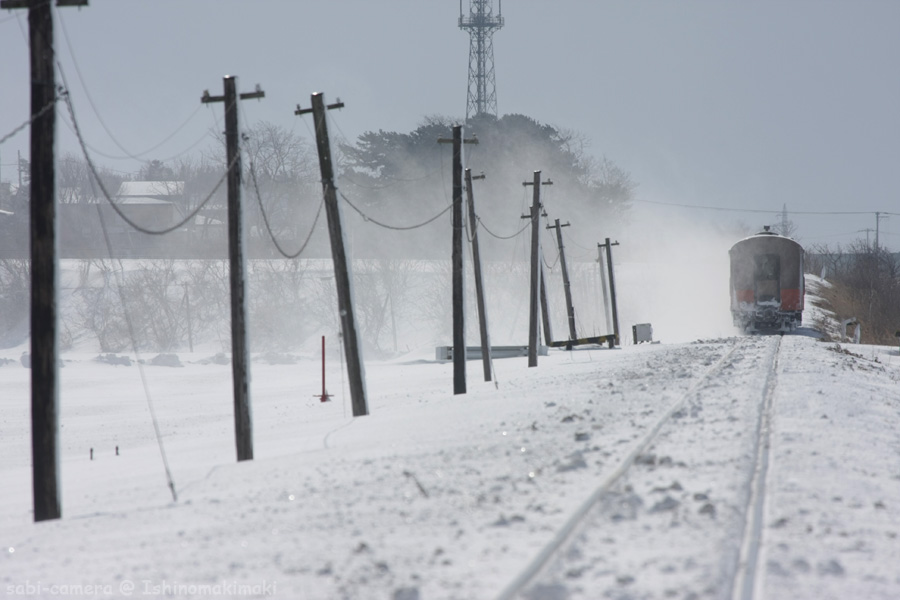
column 240, row 365
column 612, row 288
column 325, row 396
column 342, row 275
column 479, row 284
column 459, row 313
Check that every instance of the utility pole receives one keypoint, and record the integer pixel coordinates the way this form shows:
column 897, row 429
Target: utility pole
column 459, row 280
column 570, row 309
column 479, row 283
column 545, row 304
column 240, row 364
column 342, row 268
column 44, row 277
column 878, row 218
column 867, row 230
column 612, row 287
column 600, row 248
column 536, row 269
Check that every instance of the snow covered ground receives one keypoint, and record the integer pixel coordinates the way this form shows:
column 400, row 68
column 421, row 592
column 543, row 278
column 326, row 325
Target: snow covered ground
column 437, row 496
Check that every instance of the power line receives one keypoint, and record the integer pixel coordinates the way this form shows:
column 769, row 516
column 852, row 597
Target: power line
column 395, row 180
column 108, row 197
column 29, row 121
column 120, row 286
column 502, row 237
column 394, row 227
column 136, row 157
column 269, row 228
column 762, row 211
column 127, row 153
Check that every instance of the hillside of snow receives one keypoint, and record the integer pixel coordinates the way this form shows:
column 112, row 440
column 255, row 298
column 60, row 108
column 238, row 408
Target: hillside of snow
column 438, row 496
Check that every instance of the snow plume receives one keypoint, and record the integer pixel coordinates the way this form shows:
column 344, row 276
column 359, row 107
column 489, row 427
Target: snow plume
column 672, row 271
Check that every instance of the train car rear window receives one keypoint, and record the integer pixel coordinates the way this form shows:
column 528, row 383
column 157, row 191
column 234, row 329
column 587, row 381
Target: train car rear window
column 768, row 266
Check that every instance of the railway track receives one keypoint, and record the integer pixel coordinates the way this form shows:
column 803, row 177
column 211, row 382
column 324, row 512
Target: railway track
column 747, row 577
column 562, row 569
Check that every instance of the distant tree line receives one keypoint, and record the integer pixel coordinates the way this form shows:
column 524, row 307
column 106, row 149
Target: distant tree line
column 866, row 286
column 404, row 177
column 395, row 177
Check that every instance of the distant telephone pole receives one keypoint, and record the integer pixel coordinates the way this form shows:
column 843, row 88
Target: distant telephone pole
column 867, row 230
column 479, row 283
column 603, row 285
column 612, row 287
column 342, row 268
column 570, row 309
column 44, row 359
column 533, row 316
column 545, row 303
column 240, row 363
column 878, row 218
column 459, row 280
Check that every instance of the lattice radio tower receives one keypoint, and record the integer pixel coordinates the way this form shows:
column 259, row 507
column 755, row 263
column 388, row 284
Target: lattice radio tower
column 481, row 23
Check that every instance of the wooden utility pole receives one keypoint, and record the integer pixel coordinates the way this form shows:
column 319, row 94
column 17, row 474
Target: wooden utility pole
column 457, row 259
column 479, row 283
column 612, row 288
column 240, row 363
column 603, row 285
column 342, row 269
column 44, row 277
column 545, row 303
column 536, row 271
column 459, row 277
column 878, row 218
column 570, row 309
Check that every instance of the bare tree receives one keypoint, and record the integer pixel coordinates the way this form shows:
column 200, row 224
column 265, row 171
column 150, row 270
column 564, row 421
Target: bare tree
column 15, row 290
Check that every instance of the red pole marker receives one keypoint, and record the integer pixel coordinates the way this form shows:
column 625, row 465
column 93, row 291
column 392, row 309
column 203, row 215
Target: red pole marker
column 324, row 396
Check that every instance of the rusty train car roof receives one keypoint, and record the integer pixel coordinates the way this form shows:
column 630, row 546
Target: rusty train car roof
column 766, row 235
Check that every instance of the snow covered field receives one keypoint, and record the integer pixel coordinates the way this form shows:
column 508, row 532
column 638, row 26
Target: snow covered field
column 437, row 496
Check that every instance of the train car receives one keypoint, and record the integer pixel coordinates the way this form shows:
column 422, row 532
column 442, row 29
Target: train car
column 767, row 290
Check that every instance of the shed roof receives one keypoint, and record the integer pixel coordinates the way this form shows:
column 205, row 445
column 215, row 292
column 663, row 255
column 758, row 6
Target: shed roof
column 133, row 200
column 151, row 188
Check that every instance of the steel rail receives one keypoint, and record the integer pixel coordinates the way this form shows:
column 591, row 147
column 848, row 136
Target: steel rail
column 543, row 558
column 746, row 573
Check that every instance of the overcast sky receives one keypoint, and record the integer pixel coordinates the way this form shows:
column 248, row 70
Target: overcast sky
column 723, row 103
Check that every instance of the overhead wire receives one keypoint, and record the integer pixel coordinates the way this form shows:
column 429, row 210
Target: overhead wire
column 107, row 195
column 127, row 153
column 502, row 237
column 262, row 209
column 763, row 211
column 31, row 119
column 253, row 177
column 120, row 287
column 99, row 152
column 386, row 225
column 395, row 180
